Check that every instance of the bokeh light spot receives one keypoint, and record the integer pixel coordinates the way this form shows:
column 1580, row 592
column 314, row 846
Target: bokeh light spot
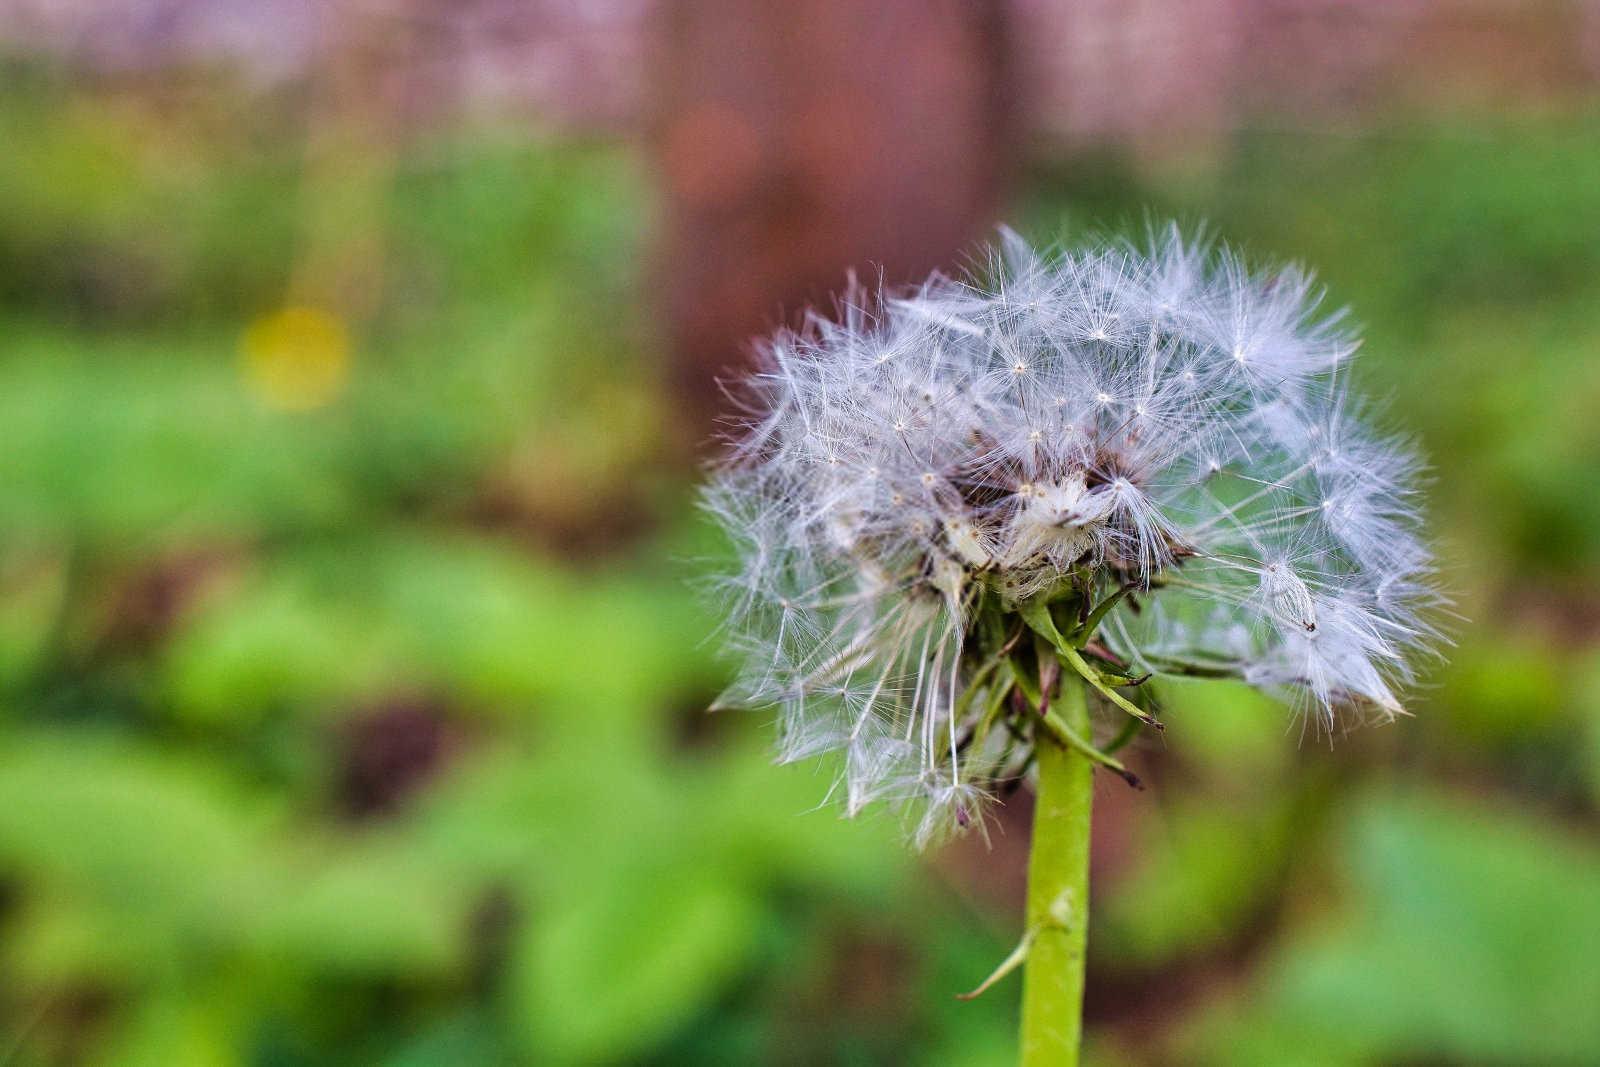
column 297, row 358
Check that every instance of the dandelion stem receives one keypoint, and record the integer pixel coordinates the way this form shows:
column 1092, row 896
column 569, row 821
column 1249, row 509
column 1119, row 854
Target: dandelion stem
column 1058, row 893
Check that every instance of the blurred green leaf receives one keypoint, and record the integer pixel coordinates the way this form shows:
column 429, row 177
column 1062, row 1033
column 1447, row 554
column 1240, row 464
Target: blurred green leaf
column 1466, row 931
column 1209, row 869
column 1232, row 729
column 168, row 845
column 620, row 964
column 369, row 908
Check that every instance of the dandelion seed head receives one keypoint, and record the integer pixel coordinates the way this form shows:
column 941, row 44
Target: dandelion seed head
column 1158, row 417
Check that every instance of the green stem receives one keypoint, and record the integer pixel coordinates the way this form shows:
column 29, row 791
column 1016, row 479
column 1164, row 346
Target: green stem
column 1058, row 893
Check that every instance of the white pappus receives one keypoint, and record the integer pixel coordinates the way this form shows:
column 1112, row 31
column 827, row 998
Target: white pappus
column 1154, row 420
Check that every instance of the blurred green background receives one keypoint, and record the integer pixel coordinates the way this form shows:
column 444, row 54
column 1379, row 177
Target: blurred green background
column 352, row 683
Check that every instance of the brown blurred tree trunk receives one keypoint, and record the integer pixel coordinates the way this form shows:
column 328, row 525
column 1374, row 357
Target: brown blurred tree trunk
column 800, row 138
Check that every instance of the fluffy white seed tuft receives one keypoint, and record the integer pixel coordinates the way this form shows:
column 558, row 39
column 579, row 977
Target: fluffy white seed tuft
column 1159, row 416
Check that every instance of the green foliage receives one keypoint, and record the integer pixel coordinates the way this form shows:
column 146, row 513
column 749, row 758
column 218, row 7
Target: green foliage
column 351, row 735
column 1464, row 932
column 619, row 971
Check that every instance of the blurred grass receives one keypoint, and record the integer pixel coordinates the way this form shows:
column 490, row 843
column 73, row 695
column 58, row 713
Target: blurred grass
column 372, row 733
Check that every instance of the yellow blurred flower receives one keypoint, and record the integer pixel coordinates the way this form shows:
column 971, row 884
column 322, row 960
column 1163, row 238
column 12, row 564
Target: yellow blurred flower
column 296, row 358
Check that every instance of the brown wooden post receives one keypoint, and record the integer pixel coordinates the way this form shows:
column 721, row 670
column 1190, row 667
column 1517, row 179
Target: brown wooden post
column 797, row 139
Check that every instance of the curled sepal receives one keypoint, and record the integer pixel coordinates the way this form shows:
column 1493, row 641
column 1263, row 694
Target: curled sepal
column 1037, row 616
column 1092, row 676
